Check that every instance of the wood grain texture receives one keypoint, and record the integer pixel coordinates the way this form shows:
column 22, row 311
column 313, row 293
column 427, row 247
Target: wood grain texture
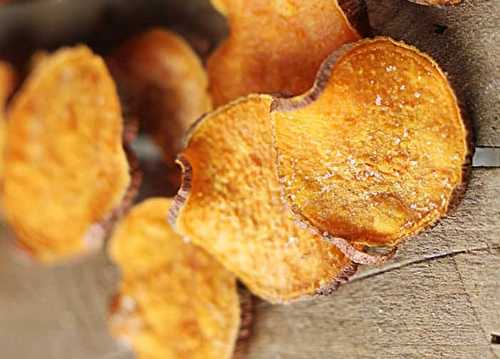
column 57, row 312
column 438, row 298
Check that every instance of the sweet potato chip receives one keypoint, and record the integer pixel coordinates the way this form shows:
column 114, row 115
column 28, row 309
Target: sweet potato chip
column 175, row 300
column 374, row 152
column 65, row 167
column 164, row 84
column 229, row 204
column 7, row 80
column 276, row 46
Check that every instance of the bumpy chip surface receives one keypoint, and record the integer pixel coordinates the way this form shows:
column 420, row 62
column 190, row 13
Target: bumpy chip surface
column 7, row 80
column 164, row 85
column 65, row 168
column 175, row 300
column 374, row 152
column 230, row 205
column 275, row 46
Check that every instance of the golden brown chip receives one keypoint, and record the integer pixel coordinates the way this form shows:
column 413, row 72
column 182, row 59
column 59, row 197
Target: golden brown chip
column 374, row 152
column 7, row 81
column 175, row 300
column 65, row 168
column 164, row 84
column 276, row 46
column 230, row 205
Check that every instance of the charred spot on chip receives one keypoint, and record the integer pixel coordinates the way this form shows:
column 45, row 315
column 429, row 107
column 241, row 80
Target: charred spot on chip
column 174, row 299
column 230, row 205
column 65, row 167
column 277, row 46
column 376, row 150
column 163, row 84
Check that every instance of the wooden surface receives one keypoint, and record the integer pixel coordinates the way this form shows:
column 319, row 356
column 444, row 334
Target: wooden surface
column 438, row 298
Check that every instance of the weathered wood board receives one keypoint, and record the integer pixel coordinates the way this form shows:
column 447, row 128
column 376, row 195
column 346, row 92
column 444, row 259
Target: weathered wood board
column 438, row 298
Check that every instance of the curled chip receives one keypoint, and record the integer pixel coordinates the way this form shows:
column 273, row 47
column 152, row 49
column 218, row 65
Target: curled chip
column 164, row 85
column 374, row 152
column 7, row 81
column 277, row 46
column 65, row 167
column 230, row 205
column 175, row 300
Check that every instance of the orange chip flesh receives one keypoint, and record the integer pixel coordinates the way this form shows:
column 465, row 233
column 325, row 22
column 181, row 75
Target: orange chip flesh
column 275, row 46
column 65, row 167
column 376, row 150
column 164, row 84
column 230, row 205
column 7, row 81
column 175, row 300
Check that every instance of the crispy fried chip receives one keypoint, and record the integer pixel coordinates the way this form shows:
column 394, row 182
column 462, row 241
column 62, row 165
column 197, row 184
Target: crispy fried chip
column 230, row 205
column 164, row 84
column 175, row 300
column 7, row 81
column 276, row 46
column 375, row 150
column 65, row 168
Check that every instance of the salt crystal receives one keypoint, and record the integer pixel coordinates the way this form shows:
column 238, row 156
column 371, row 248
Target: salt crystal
column 378, row 100
column 128, row 303
column 390, row 68
column 417, row 94
column 291, row 241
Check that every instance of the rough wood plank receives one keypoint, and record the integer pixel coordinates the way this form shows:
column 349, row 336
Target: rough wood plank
column 412, row 312
column 56, row 312
column 411, row 307
column 465, row 41
column 439, row 297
